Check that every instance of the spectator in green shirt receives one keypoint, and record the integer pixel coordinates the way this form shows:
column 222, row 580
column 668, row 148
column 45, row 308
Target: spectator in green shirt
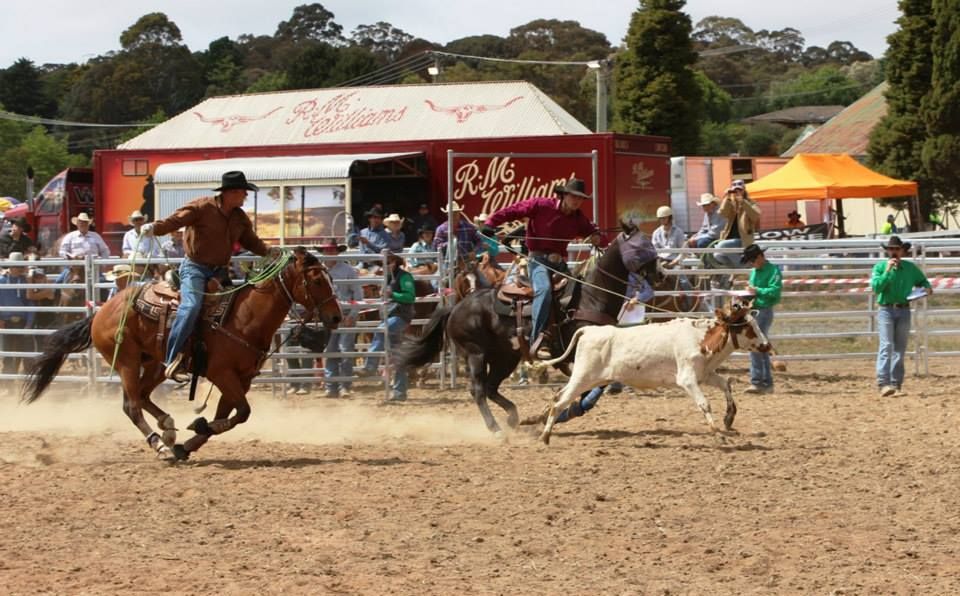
column 893, row 280
column 890, row 226
column 766, row 284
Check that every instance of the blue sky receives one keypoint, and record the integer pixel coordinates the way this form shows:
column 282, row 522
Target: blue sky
column 70, row 31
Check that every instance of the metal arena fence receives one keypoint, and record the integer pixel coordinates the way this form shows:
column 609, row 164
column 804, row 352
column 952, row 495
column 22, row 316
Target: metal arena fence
column 828, row 310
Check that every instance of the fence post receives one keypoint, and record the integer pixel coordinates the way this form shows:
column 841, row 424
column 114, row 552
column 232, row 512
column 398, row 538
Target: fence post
column 91, row 276
column 383, row 322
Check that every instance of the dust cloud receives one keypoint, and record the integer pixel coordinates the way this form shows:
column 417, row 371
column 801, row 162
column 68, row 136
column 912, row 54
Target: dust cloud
column 312, row 421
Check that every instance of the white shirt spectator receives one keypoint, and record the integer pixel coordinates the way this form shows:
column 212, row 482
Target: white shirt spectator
column 675, row 238
column 76, row 244
column 145, row 245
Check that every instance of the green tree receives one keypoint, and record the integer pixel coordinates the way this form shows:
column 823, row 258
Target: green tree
column 39, row 150
column 717, row 103
column 21, row 90
column 311, row 22
column 656, row 91
column 312, row 69
column 151, row 30
column 352, row 62
column 940, row 108
column 491, row 46
column 381, row 39
column 896, row 143
column 825, row 86
column 269, row 81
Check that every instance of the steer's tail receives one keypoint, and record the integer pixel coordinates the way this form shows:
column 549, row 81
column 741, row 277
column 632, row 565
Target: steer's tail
column 41, row 371
column 569, row 350
column 422, row 350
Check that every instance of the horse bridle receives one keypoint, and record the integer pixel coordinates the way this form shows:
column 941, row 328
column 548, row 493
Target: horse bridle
column 314, row 309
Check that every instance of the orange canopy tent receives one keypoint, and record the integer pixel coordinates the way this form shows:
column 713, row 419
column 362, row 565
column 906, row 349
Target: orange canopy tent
column 827, row 176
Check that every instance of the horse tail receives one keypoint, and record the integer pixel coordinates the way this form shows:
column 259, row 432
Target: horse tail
column 569, row 350
column 41, row 371
column 422, row 350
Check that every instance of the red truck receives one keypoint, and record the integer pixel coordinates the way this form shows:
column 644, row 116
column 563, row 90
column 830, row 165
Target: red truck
column 62, row 198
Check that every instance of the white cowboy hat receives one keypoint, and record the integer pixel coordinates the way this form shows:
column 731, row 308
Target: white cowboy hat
column 664, row 211
column 16, row 256
column 706, row 198
column 136, row 215
column 83, row 216
column 481, row 218
column 393, row 218
column 121, row 270
column 455, row 206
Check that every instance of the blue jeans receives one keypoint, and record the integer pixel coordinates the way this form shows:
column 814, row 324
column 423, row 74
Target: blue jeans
column 193, row 282
column 761, row 373
column 731, row 260
column 893, row 325
column 540, row 279
column 339, row 366
column 395, row 327
column 704, row 241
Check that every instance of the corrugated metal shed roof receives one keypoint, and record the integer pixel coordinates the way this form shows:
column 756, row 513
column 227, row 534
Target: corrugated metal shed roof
column 258, row 169
column 849, row 131
column 798, row 115
column 350, row 115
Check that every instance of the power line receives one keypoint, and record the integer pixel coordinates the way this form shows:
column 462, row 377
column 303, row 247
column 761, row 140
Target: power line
column 517, row 60
column 393, row 66
column 800, row 94
column 4, row 115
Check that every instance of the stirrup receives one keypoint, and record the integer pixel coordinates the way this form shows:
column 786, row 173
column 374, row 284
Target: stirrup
column 173, row 370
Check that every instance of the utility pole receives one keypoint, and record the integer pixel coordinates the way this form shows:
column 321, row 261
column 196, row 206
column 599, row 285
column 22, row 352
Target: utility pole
column 600, row 68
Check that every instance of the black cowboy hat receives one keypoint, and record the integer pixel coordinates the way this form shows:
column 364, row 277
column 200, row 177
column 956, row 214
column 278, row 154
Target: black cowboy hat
column 22, row 223
column 750, row 253
column 233, row 180
column 374, row 212
column 575, row 187
column 896, row 242
column 426, row 228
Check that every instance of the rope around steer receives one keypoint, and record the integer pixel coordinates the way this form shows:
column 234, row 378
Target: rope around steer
column 270, row 271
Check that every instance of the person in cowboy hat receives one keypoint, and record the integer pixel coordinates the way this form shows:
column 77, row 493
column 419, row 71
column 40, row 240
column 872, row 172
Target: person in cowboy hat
column 424, row 218
column 468, row 240
column 374, row 238
column 766, row 284
column 212, row 226
column 713, row 222
column 350, row 296
column 793, row 219
column 893, row 281
column 551, row 225
column 12, row 297
column 424, row 243
column 134, row 243
column 16, row 239
column 121, row 275
column 491, row 246
column 396, row 239
column 82, row 241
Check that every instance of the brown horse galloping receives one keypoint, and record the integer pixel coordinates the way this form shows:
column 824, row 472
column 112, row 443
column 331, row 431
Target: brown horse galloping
column 235, row 351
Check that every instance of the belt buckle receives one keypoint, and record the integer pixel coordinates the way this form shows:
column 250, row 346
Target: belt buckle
column 554, row 258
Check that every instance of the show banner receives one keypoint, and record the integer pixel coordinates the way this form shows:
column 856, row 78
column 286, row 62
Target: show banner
column 811, row 232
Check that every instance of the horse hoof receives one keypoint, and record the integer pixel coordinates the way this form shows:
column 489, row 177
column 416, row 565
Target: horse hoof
column 169, row 438
column 180, row 452
column 201, row 427
column 545, row 438
column 165, row 453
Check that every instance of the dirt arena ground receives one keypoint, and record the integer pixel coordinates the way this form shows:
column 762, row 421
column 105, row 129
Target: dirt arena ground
column 828, row 489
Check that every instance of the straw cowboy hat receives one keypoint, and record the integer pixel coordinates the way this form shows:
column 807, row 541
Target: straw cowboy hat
column 16, row 256
column 896, row 242
column 234, row 180
column 121, row 270
column 454, row 207
column 136, row 215
column 706, row 198
column 83, row 216
column 393, row 218
column 664, row 211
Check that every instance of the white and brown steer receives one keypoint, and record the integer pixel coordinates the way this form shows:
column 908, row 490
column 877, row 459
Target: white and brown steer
column 681, row 351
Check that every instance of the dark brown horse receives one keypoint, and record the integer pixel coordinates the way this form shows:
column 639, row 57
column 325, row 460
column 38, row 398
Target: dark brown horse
column 236, row 350
column 487, row 335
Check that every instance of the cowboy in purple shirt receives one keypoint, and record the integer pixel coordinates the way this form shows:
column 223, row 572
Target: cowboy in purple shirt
column 551, row 225
column 468, row 240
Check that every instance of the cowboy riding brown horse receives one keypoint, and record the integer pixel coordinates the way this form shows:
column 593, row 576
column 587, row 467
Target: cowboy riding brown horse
column 236, row 348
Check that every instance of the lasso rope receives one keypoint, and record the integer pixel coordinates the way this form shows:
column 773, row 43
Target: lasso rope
column 267, row 272
column 571, row 277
